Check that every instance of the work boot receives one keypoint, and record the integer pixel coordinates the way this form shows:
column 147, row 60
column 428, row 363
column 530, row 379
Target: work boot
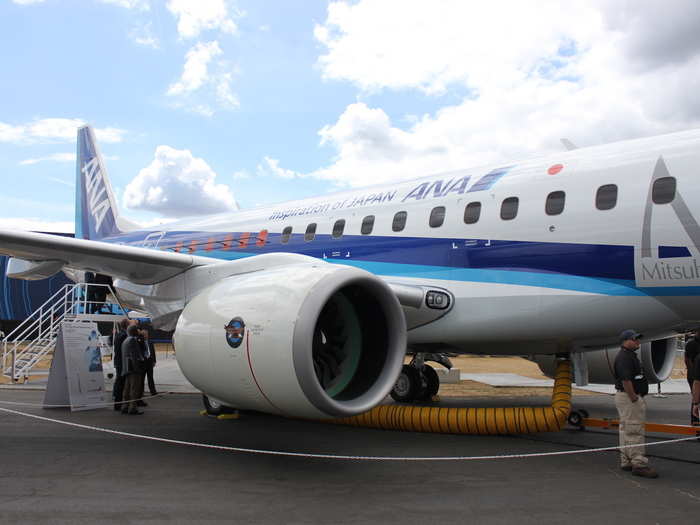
column 141, row 403
column 626, row 468
column 644, row 472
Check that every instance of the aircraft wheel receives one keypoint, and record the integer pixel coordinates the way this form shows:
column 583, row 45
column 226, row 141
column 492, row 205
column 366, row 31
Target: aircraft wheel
column 214, row 407
column 432, row 383
column 407, row 386
column 575, row 418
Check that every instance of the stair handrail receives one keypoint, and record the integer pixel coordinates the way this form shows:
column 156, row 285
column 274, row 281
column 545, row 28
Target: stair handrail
column 57, row 313
column 35, row 323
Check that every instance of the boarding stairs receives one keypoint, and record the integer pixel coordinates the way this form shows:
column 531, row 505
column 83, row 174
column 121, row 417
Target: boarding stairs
column 35, row 337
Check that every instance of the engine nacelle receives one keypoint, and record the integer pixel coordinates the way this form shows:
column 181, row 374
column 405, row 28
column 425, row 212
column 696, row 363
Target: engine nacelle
column 657, row 359
column 307, row 340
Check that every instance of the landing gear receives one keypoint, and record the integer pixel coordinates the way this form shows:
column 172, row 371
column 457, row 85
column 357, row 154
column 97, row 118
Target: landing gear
column 407, row 386
column 215, row 407
column 419, row 381
column 431, row 383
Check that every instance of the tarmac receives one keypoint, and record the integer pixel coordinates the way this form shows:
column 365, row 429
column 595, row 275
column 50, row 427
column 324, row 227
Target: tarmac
column 109, row 471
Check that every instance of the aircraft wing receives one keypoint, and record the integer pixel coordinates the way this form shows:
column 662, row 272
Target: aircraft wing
column 42, row 254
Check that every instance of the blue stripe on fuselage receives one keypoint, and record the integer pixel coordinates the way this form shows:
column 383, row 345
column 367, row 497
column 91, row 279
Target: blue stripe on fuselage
column 594, row 268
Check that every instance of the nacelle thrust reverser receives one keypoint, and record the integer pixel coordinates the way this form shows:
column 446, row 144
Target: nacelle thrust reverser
column 307, row 340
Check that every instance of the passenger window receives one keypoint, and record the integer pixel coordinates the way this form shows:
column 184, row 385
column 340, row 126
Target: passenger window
column 338, row 228
column 399, row 222
column 509, row 208
column 437, row 217
column 664, row 190
column 286, row 233
column 555, row 203
column 472, row 212
column 310, row 232
column 367, row 225
column 606, row 197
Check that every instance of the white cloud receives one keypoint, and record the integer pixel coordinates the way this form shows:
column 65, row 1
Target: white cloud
column 142, row 5
column 178, row 184
column 52, row 130
column 202, row 15
column 271, row 167
column 195, row 71
column 590, row 71
column 38, row 225
column 27, row 2
column 56, row 157
column 143, row 36
column 199, row 82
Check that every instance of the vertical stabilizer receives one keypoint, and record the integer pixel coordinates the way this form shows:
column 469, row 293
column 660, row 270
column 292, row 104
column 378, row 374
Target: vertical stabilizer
column 96, row 214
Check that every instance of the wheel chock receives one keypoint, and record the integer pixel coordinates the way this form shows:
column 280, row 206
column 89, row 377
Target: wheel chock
column 235, row 415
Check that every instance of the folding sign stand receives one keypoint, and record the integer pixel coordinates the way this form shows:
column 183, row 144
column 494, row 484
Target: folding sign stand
column 76, row 378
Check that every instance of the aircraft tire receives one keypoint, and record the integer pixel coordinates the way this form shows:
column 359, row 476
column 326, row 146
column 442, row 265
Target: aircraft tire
column 432, row 383
column 407, row 386
column 214, row 407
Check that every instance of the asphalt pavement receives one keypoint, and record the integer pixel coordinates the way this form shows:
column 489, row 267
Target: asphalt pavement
column 53, row 473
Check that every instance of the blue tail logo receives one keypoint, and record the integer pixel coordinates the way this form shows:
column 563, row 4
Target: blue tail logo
column 96, row 211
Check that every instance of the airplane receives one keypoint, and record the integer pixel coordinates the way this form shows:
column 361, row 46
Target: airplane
column 309, row 308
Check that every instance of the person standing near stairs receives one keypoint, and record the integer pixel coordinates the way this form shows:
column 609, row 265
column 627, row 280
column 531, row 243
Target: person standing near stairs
column 133, row 368
column 118, row 388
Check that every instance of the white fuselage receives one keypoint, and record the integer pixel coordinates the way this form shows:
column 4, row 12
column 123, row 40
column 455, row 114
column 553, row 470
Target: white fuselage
column 535, row 283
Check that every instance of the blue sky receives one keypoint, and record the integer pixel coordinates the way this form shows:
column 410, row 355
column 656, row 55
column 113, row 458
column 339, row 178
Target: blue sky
column 264, row 101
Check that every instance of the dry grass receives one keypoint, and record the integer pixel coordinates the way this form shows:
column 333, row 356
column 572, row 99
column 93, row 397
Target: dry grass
column 467, row 364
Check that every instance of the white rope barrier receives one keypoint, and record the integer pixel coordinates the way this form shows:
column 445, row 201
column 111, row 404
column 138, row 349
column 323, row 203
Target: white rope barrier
column 332, row 456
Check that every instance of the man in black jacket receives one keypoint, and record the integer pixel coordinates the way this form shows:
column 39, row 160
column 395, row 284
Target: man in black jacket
column 150, row 352
column 118, row 388
column 133, row 368
column 631, row 386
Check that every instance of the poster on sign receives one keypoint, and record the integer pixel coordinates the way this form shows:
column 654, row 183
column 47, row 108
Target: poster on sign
column 76, row 377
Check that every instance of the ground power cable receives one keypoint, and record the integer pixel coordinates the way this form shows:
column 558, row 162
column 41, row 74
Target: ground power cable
column 331, row 456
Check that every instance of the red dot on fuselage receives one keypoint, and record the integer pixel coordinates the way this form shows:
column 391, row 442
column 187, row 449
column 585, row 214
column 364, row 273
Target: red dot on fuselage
column 556, row 168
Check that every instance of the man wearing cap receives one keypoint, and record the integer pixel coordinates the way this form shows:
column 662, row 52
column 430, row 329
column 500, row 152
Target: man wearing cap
column 631, row 386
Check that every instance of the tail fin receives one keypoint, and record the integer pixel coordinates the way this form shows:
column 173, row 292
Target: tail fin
column 96, row 213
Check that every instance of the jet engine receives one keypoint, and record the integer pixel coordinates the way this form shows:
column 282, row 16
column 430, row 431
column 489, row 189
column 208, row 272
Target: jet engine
column 657, row 358
column 307, row 340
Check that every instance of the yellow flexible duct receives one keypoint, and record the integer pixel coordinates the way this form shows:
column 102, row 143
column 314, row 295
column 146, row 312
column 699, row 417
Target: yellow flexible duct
column 482, row 421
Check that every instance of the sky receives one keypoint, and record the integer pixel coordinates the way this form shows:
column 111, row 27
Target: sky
column 209, row 106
